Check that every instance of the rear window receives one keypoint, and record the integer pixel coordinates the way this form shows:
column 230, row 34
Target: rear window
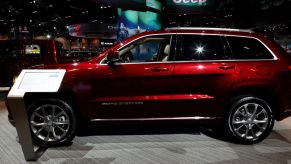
column 248, row 48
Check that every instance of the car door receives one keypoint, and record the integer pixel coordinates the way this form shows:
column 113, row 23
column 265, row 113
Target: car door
column 204, row 75
column 138, row 85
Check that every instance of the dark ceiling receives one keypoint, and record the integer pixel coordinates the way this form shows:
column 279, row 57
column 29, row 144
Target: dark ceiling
column 41, row 16
column 52, row 15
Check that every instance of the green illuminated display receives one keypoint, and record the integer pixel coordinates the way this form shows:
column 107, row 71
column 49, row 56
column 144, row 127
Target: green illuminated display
column 130, row 22
column 154, row 4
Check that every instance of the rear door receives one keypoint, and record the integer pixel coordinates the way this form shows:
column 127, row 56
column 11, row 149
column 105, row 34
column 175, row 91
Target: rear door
column 204, row 74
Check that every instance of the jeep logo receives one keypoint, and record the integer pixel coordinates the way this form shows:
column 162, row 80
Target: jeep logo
column 190, row 1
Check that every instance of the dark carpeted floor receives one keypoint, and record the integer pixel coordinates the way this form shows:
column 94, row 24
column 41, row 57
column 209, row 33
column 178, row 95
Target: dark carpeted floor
column 135, row 147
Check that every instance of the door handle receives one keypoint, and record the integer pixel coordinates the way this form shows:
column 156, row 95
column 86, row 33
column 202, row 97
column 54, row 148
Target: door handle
column 226, row 67
column 157, row 69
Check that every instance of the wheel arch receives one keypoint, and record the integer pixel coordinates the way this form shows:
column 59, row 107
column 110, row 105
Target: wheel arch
column 265, row 93
column 63, row 95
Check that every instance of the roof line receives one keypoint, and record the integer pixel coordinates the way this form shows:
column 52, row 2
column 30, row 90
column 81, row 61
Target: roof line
column 208, row 28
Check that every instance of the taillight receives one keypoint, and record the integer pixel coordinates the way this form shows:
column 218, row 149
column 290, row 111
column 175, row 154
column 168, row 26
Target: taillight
column 289, row 67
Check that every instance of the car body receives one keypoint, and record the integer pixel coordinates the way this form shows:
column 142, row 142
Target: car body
column 16, row 55
column 238, row 78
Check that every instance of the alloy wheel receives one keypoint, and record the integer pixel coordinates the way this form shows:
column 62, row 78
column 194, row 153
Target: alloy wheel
column 249, row 121
column 49, row 123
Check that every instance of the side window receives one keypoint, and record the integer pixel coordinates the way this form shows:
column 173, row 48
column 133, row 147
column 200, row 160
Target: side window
column 148, row 49
column 248, row 48
column 201, row 47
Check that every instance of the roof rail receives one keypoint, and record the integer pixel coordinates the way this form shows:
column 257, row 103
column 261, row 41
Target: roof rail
column 208, row 28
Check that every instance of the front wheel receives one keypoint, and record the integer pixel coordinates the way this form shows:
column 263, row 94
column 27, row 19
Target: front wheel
column 250, row 120
column 52, row 122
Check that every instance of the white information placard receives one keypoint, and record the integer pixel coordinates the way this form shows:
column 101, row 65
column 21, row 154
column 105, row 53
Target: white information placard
column 31, row 81
column 41, row 80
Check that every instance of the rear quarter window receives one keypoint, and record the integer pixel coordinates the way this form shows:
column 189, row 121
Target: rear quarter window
column 248, row 48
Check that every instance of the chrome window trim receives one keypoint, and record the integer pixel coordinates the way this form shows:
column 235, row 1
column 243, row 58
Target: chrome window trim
column 197, row 61
column 167, row 62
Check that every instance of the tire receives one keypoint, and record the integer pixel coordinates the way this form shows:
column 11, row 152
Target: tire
column 52, row 122
column 249, row 120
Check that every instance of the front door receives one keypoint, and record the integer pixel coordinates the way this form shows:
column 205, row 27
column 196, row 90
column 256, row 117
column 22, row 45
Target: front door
column 137, row 86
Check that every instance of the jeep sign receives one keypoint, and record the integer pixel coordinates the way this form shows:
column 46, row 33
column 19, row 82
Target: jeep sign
column 190, row 2
column 189, row 6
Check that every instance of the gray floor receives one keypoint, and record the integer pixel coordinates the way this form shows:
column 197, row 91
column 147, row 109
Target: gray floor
column 154, row 148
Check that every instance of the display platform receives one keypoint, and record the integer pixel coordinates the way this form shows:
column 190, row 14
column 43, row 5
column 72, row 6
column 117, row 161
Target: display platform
column 136, row 147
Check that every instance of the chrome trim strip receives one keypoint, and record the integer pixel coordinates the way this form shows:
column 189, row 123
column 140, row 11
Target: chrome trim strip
column 275, row 57
column 156, row 119
column 208, row 28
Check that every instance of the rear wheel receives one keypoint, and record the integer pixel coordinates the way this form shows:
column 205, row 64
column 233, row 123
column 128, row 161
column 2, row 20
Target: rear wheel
column 250, row 120
column 52, row 122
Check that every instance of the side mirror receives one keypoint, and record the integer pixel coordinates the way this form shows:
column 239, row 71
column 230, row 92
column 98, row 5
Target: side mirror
column 113, row 57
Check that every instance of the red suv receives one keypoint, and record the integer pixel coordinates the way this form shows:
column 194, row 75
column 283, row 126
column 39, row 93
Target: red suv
column 16, row 55
column 208, row 75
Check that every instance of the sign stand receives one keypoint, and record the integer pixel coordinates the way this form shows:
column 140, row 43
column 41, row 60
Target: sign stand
column 30, row 81
column 19, row 115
